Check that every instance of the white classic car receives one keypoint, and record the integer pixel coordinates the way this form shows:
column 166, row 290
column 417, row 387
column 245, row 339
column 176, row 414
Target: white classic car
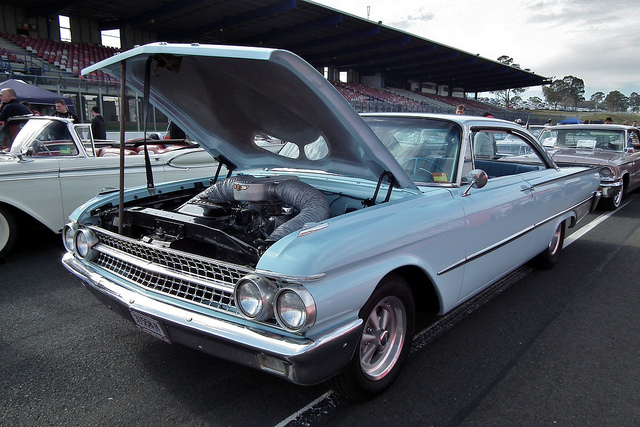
column 310, row 261
column 54, row 166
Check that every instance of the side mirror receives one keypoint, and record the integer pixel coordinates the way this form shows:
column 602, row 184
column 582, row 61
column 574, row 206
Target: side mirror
column 477, row 178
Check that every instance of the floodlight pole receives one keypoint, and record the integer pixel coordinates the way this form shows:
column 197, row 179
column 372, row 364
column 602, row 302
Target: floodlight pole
column 123, row 74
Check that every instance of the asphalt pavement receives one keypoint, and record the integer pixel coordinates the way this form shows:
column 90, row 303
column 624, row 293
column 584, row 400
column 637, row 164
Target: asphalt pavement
column 557, row 347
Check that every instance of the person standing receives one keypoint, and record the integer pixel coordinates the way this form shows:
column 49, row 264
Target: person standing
column 10, row 107
column 97, row 124
column 63, row 111
column 34, row 112
column 460, row 109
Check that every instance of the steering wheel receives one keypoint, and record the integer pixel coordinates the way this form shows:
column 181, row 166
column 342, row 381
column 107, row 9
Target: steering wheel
column 39, row 146
column 419, row 171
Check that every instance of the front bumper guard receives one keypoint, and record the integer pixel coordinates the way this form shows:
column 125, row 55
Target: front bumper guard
column 610, row 190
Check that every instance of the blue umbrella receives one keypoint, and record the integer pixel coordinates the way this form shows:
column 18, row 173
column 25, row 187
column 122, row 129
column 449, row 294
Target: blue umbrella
column 570, row 121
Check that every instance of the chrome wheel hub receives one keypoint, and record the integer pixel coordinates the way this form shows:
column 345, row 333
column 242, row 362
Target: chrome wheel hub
column 383, row 338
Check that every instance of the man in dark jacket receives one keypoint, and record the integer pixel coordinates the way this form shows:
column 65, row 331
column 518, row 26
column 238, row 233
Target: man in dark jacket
column 97, row 124
column 10, row 107
column 63, row 111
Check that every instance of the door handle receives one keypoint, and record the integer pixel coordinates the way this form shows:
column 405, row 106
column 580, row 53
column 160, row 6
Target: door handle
column 530, row 189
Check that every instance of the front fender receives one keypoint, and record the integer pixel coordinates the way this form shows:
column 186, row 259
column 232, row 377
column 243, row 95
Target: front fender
column 403, row 226
column 355, row 251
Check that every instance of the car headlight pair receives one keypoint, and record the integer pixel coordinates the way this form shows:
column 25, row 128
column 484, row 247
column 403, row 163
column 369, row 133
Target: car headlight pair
column 259, row 299
column 80, row 241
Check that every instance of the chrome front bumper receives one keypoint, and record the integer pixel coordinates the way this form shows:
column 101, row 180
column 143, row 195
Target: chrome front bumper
column 299, row 360
column 610, row 189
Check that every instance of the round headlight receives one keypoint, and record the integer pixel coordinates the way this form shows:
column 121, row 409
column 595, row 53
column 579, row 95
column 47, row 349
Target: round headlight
column 606, row 172
column 254, row 295
column 295, row 309
column 84, row 241
column 68, row 235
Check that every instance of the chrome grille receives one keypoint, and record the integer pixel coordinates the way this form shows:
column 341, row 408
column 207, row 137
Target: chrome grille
column 197, row 280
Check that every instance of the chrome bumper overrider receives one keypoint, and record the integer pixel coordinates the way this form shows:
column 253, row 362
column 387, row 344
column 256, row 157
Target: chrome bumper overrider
column 610, row 190
column 597, row 195
column 299, row 360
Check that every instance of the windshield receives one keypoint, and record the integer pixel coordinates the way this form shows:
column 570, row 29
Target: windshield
column 427, row 149
column 602, row 139
column 44, row 138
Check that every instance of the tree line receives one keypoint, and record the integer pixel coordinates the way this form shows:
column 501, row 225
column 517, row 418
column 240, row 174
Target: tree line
column 569, row 92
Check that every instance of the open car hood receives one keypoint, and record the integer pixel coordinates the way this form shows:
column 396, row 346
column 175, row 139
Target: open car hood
column 235, row 101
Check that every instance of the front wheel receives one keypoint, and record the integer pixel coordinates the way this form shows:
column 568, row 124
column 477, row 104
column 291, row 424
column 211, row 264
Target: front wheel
column 613, row 203
column 385, row 341
column 8, row 232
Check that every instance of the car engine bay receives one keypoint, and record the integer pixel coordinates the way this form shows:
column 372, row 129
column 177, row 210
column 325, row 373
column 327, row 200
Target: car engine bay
column 234, row 220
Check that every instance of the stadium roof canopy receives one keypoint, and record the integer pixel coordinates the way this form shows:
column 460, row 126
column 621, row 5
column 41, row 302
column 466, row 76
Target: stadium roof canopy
column 323, row 36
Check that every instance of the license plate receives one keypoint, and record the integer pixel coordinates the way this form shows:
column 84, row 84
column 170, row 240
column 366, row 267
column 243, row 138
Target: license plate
column 150, row 326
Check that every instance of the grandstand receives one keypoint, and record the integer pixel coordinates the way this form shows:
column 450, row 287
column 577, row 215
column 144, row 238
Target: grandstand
column 64, row 56
column 384, row 67
column 20, row 57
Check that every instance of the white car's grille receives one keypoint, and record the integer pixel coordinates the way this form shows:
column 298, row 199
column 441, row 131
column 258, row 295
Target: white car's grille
column 169, row 272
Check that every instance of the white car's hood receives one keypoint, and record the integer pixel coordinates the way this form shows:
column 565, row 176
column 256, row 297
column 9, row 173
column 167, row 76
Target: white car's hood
column 223, row 96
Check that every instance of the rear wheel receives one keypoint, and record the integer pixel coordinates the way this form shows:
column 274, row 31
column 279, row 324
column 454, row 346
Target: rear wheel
column 549, row 257
column 384, row 343
column 8, row 231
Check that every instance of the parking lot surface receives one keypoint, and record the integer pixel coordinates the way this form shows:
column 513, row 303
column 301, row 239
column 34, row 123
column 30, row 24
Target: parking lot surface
column 550, row 347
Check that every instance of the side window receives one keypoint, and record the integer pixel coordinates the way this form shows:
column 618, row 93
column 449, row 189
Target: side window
column 634, row 140
column 511, row 145
column 502, row 154
column 54, row 140
column 484, row 145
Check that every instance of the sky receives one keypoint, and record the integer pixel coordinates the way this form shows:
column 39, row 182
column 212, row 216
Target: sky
column 596, row 41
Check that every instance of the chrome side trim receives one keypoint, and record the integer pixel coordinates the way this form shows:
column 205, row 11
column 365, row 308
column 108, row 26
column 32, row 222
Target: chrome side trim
column 21, row 175
column 290, row 278
column 513, row 237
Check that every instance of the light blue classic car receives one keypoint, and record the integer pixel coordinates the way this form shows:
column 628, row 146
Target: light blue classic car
column 309, row 251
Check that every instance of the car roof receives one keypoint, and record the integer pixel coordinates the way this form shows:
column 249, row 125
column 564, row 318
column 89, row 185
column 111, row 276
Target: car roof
column 599, row 126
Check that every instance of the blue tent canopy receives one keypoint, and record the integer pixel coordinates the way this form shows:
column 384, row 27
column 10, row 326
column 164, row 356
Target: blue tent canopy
column 35, row 95
column 570, row 121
